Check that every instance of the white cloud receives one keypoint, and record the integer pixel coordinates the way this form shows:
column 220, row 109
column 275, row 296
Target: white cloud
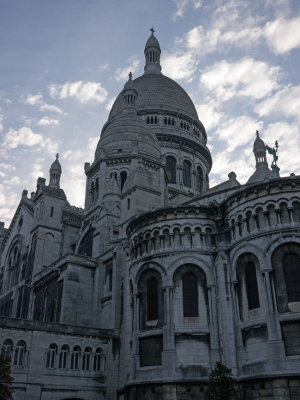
column 52, row 108
column 238, row 131
column 37, row 169
column 179, row 66
column 27, row 138
column 80, row 90
column 1, row 124
column 121, row 74
column 283, row 35
column 247, row 77
column 33, row 99
column 15, row 180
column 182, row 5
column 208, row 114
column 284, row 102
column 110, row 103
column 46, row 121
column 6, row 168
column 104, row 67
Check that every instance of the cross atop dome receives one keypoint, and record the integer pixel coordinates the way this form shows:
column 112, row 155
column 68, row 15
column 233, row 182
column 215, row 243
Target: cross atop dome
column 152, row 30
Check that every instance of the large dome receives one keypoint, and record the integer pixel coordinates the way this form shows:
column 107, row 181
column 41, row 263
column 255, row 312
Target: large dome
column 158, row 92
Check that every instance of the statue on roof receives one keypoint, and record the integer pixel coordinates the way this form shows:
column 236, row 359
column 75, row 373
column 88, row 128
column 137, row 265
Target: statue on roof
column 274, row 152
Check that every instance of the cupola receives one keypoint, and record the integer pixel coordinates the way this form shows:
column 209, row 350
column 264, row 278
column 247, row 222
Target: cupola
column 55, row 173
column 152, row 55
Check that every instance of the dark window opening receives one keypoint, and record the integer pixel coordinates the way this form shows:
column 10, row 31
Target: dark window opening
column 291, row 269
column 152, row 299
column 51, row 211
column 123, row 176
column 187, row 180
column 171, row 169
column 190, row 295
column 251, row 286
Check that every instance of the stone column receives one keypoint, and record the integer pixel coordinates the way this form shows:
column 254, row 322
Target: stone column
column 225, row 314
column 168, row 354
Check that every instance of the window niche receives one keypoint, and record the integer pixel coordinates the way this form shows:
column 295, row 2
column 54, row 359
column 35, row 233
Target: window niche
column 248, row 295
column 190, row 296
column 171, row 169
column 286, row 270
column 151, row 300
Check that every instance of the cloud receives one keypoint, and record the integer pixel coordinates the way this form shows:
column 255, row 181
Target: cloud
column 247, row 77
column 121, row 74
column 6, row 168
column 110, row 103
column 80, row 90
column 208, row 114
column 283, row 35
column 104, row 67
column 238, row 131
column 182, row 5
column 52, row 108
column 33, row 99
column 15, row 180
column 179, row 66
column 284, row 102
column 27, row 138
column 1, row 124
column 46, row 121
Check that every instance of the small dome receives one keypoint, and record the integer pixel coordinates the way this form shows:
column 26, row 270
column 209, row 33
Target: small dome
column 55, row 167
column 258, row 143
column 152, row 42
column 128, row 135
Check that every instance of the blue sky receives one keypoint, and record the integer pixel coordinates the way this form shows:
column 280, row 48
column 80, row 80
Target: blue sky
column 63, row 62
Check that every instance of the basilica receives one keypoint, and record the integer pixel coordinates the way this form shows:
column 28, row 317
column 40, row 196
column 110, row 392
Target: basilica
column 160, row 276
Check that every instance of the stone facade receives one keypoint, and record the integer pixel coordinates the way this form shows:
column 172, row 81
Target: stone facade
column 140, row 293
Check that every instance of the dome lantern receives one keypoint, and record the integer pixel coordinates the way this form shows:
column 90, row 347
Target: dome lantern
column 55, row 173
column 129, row 95
column 152, row 55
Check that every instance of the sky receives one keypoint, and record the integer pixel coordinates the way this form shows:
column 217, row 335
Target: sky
column 63, row 62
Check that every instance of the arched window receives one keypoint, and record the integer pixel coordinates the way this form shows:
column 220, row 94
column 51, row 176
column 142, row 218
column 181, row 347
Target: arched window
column 51, row 356
column 187, row 180
column 99, row 361
column 190, row 295
column 7, row 348
column 20, row 354
column 291, row 270
column 63, row 357
column 123, row 176
column 86, row 244
column 75, row 357
column 251, row 286
column 152, row 299
column 86, row 359
column 92, row 191
column 199, row 179
column 171, row 169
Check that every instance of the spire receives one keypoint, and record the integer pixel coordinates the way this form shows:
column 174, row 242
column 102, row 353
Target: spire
column 152, row 55
column 129, row 95
column 55, row 173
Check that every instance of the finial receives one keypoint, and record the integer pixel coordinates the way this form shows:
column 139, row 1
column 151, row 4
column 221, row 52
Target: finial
column 257, row 133
column 57, row 155
column 130, row 75
column 152, row 30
